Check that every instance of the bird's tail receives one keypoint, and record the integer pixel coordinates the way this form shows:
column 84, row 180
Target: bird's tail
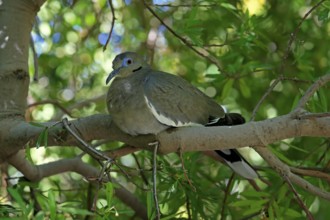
column 237, row 163
column 232, row 157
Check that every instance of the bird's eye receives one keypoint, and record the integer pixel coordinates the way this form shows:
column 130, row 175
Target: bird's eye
column 127, row 61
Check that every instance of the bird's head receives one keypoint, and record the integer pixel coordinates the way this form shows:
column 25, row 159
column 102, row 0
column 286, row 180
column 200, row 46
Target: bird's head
column 126, row 64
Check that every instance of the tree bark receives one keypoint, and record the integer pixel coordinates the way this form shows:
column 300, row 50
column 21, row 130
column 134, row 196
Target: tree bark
column 16, row 21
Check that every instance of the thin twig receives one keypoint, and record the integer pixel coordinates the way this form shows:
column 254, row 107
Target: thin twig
column 84, row 146
column 185, row 172
column 284, row 58
column 296, row 80
column 309, row 93
column 81, row 104
column 35, row 61
column 284, row 170
column 93, row 208
column 226, row 196
column 300, row 202
column 204, row 53
column 112, row 24
column 154, row 179
column 293, row 35
column 185, row 5
column 311, row 172
column 144, row 178
column 53, row 102
column 269, row 90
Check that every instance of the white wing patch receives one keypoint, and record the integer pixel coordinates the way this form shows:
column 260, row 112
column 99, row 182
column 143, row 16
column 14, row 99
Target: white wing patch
column 166, row 120
column 213, row 121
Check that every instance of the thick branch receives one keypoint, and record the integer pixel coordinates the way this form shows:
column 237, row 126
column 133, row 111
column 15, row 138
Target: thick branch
column 189, row 138
column 38, row 172
column 94, row 127
column 249, row 134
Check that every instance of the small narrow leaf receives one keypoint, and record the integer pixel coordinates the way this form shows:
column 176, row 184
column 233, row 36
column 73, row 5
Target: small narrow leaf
column 52, row 204
column 323, row 100
column 28, row 153
column 293, row 213
column 245, row 89
column 150, row 205
column 43, row 138
column 109, row 193
column 228, row 6
column 226, row 88
column 323, row 15
column 17, row 197
column 295, row 101
column 37, row 124
column 46, row 137
column 281, row 156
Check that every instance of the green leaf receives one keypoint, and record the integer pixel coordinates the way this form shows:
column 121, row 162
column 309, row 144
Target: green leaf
column 323, row 15
column 276, row 210
column 254, row 203
column 252, row 210
column 295, row 101
column 323, row 99
column 245, row 89
column 75, row 211
column 281, row 156
column 226, row 88
column 37, row 124
column 253, row 193
column 271, row 213
column 172, row 216
column 43, row 138
column 52, row 204
column 28, row 153
column 228, row 6
column 293, row 213
column 150, row 205
column 109, row 193
column 281, row 194
column 294, row 147
column 18, row 198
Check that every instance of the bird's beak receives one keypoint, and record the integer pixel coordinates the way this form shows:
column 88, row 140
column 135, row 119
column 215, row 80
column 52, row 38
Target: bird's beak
column 111, row 75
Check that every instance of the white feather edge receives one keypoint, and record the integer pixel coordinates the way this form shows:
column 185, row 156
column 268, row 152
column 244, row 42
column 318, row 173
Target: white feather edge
column 243, row 169
column 166, row 120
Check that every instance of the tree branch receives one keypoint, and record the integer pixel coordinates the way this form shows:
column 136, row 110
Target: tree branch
column 37, row 172
column 312, row 89
column 112, row 24
column 284, row 171
column 201, row 52
column 188, row 138
column 250, row 134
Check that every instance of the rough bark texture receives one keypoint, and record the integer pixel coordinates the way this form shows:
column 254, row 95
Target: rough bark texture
column 14, row 77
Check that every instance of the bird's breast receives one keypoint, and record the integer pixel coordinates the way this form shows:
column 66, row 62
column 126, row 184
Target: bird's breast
column 129, row 110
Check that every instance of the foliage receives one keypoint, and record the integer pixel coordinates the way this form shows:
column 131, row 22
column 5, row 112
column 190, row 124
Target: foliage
column 252, row 44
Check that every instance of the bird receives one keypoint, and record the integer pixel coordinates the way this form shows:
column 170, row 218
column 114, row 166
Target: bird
column 142, row 100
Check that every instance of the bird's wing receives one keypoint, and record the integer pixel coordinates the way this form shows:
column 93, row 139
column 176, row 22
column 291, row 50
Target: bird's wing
column 175, row 102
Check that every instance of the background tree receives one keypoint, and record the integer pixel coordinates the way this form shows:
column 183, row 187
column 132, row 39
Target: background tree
column 266, row 60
